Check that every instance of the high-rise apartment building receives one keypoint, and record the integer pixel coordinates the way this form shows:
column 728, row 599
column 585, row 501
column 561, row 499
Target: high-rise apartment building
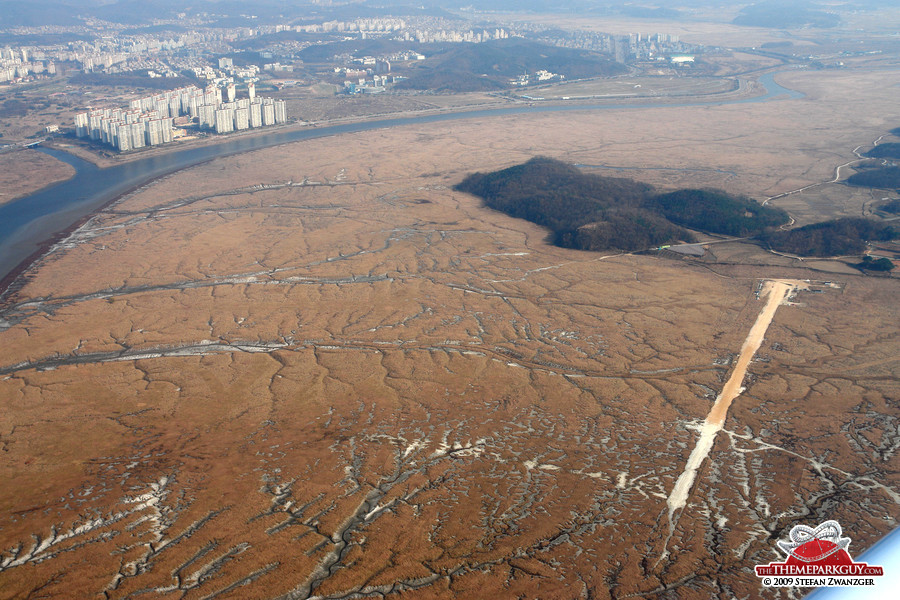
column 268, row 113
column 82, row 125
column 241, row 119
column 148, row 121
column 207, row 114
column 224, row 120
column 138, row 136
column 256, row 114
column 123, row 135
column 153, row 132
column 280, row 111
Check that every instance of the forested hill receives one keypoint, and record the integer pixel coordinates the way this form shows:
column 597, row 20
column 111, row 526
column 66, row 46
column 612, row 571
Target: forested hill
column 884, row 178
column 785, row 15
column 590, row 212
column 490, row 65
column 888, row 150
column 718, row 212
column 552, row 193
column 583, row 211
column 841, row 237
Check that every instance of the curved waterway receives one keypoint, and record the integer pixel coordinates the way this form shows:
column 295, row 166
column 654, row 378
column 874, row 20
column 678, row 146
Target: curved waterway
column 27, row 223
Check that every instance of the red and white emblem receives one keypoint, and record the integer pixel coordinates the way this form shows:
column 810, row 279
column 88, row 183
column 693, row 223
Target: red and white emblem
column 822, row 544
column 817, row 557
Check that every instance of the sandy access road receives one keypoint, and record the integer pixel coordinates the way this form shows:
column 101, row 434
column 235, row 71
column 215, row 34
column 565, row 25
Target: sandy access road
column 776, row 292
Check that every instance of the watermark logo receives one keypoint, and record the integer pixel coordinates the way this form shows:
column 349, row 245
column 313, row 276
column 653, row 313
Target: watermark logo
column 817, row 558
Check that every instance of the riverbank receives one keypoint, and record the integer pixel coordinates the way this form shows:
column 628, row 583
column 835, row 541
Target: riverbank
column 744, row 90
column 26, row 171
column 31, row 225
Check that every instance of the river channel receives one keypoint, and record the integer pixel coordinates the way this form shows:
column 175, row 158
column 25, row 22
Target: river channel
column 27, row 223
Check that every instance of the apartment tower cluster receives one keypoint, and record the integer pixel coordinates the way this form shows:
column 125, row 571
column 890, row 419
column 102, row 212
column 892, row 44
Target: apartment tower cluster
column 148, row 121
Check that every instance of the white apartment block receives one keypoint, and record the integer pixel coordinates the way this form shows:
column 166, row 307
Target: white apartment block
column 241, row 119
column 224, row 120
column 148, row 121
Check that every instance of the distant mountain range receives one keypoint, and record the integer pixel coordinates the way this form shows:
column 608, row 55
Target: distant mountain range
column 224, row 12
column 786, row 15
column 778, row 14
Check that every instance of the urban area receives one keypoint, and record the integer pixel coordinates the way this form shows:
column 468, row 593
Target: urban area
column 206, row 78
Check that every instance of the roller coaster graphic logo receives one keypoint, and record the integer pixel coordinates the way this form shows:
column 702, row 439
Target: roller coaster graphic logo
column 817, row 557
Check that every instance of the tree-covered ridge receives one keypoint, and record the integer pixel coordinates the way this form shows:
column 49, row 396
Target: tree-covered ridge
column 512, row 57
column 884, row 178
column 840, row 237
column 876, row 264
column 623, row 228
column 783, row 15
column 552, row 193
column 591, row 212
column 450, row 81
column 718, row 212
column 888, row 150
column 133, row 79
column 583, row 211
column 490, row 65
column 892, row 207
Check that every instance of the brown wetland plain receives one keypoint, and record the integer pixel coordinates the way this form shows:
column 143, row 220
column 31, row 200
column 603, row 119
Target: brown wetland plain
column 317, row 370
